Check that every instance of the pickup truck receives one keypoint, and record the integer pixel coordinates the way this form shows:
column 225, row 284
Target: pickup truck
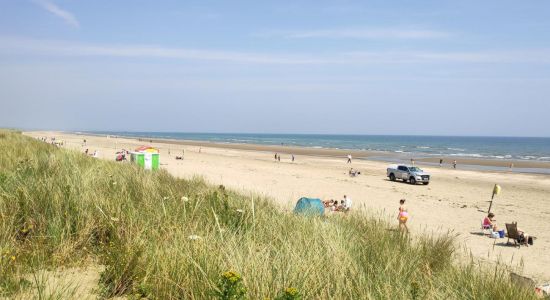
column 411, row 174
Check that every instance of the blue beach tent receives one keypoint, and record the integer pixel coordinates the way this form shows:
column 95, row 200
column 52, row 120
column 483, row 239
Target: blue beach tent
column 309, row 206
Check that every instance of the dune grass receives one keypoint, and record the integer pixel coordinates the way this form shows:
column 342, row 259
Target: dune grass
column 162, row 238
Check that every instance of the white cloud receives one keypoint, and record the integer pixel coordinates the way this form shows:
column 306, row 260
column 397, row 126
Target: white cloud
column 49, row 47
column 67, row 16
column 358, row 33
column 18, row 46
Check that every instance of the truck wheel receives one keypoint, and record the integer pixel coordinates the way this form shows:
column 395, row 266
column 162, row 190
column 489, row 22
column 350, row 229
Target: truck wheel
column 426, row 183
column 412, row 180
column 392, row 177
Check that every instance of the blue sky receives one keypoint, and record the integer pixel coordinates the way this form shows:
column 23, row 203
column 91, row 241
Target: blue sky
column 351, row 67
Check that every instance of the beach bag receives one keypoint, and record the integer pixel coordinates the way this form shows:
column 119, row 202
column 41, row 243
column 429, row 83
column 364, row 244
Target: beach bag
column 495, row 235
column 530, row 241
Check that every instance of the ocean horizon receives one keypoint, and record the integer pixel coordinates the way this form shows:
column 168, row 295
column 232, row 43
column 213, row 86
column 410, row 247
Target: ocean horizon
column 482, row 147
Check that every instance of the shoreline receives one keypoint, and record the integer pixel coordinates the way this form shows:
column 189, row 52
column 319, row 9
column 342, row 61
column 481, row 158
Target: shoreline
column 466, row 163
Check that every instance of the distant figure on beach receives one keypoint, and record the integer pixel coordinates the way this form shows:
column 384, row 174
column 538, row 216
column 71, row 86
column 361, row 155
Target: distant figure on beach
column 292, row 157
column 86, row 151
column 200, row 149
column 349, row 159
column 84, row 143
column 279, row 157
column 511, row 166
column 454, row 163
column 168, row 151
column 440, row 162
column 182, row 153
column 412, row 162
column 403, row 216
column 275, row 156
column 352, row 172
column 346, row 203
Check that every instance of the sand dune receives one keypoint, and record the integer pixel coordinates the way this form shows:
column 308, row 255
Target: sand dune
column 455, row 200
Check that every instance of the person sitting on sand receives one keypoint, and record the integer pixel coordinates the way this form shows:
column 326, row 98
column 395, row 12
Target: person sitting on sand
column 489, row 222
column 353, row 172
column 403, row 216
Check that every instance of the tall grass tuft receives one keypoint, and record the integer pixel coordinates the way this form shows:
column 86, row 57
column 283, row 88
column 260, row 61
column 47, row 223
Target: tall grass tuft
column 162, row 238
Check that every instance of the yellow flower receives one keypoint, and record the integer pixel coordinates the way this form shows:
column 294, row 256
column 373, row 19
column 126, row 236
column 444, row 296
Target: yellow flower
column 291, row 291
column 13, row 258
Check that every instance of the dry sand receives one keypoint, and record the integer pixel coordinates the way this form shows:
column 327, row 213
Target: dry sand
column 454, row 200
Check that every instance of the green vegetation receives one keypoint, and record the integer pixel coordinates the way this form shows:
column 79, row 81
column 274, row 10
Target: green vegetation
column 160, row 237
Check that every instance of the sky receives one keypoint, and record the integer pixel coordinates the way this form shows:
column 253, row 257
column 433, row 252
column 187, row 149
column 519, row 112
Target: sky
column 334, row 67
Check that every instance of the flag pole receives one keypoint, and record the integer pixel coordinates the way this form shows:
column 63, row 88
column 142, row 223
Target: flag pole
column 496, row 191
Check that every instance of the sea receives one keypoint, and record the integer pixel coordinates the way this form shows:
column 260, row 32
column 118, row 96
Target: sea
column 498, row 148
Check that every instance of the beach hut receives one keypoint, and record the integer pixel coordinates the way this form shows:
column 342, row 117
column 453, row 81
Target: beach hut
column 309, row 206
column 146, row 157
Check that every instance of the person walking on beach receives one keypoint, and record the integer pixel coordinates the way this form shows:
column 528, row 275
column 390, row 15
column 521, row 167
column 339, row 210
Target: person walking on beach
column 349, row 159
column 275, row 156
column 403, row 216
column 454, row 164
column 440, row 162
column 279, row 157
column 412, row 162
column 292, row 157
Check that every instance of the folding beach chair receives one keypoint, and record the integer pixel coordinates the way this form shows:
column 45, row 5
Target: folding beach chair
column 512, row 232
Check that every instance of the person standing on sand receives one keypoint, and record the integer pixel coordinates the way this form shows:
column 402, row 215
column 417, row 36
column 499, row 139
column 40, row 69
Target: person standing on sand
column 279, row 157
column 347, row 203
column 403, row 216
column 292, row 157
column 454, row 163
column 440, row 162
column 412, row 162
column 349, row 159
column 275, row 156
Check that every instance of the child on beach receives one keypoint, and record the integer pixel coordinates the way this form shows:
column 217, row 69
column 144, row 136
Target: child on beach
column 349, row 159
column 403, row 216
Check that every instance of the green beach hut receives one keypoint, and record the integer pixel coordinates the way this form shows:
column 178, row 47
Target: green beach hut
column 146, row 157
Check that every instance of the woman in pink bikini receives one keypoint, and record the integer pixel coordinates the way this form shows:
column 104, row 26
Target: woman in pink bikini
column 403, row 216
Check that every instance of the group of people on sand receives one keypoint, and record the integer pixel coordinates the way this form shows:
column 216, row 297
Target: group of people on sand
column 343, row 206
column 278, row 157
column 489, row 222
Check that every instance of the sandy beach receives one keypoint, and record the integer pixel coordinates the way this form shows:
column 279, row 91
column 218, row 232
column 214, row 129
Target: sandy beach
column 455, row 200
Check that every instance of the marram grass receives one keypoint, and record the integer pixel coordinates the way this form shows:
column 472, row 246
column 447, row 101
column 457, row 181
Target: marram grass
column 165, row 238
